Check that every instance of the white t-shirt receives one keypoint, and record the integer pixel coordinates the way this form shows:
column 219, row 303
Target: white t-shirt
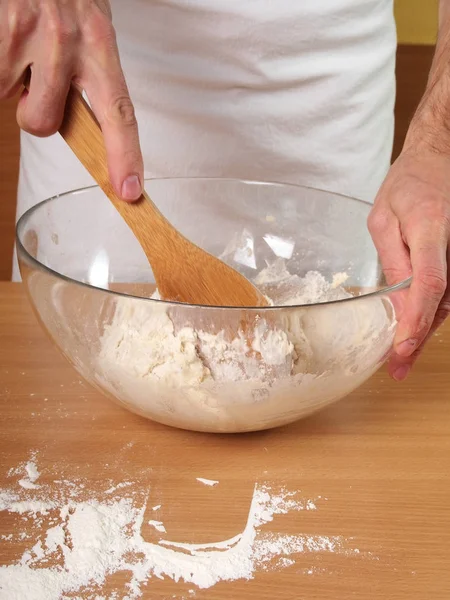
column 294, row 91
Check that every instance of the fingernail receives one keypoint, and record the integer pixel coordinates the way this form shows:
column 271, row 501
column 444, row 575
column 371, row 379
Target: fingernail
column 401, row 373
column 406, row 348
column 131, row 188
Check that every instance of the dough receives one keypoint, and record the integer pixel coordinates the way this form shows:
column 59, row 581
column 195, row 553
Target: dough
column 305, row 358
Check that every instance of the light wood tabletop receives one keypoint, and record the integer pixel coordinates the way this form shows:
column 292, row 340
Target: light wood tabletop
column 376, row 467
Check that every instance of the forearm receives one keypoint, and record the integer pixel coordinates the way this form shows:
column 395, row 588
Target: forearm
column 444, row 11
column 430, row 126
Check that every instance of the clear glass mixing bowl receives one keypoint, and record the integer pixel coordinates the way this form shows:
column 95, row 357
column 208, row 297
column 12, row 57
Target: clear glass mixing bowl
column 214, row 368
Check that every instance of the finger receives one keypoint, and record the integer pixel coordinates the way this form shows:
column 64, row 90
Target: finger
column 428, row 248
column 443, row 310
column 16, row 26
column 12, row 70
column 105, row 85
column 400, row 366
column 10, row 81
column 40, row 109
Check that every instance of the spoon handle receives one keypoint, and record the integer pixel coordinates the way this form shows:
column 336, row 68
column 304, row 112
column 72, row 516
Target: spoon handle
column 81, row 131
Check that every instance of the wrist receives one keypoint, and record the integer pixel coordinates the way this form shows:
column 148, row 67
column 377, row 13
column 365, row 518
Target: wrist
column 429, row 130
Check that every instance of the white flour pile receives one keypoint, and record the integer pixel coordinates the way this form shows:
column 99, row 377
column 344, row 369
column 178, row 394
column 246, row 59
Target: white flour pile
column 303, row 358
column 31, row 474
column 210, row 482
column 75, row 542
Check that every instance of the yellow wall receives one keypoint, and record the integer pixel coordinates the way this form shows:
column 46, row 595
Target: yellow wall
column 416, row 21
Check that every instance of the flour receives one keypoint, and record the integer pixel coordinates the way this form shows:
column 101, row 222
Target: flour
column 158, row 525
column 300, row 359
column 80, row 543
column 32, row 473
column 210, row 482
column 119, row 486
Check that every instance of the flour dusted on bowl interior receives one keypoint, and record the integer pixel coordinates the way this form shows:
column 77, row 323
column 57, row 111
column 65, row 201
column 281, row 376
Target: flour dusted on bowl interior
column 297, row 360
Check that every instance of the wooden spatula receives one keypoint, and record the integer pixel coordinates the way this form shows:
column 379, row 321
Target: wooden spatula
column 183, row 271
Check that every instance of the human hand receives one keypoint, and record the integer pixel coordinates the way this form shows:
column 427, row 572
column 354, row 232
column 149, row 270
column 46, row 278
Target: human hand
column 410, row 226
column 60, row 42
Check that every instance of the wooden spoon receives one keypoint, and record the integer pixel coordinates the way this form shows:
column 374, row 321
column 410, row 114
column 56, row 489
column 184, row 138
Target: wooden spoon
column 183, row 271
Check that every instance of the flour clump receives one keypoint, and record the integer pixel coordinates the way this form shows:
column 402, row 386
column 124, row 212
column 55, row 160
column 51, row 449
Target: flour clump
column 159, row 361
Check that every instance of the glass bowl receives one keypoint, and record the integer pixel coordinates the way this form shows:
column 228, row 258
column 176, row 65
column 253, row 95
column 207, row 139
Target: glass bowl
column 214, row 369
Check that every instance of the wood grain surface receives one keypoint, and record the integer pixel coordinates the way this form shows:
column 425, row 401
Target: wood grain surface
column 381, row 458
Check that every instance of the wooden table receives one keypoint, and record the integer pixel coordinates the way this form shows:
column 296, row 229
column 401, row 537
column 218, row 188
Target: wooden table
column 381, row 458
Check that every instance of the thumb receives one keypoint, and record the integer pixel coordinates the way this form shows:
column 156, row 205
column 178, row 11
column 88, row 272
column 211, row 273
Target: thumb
column 393, row 253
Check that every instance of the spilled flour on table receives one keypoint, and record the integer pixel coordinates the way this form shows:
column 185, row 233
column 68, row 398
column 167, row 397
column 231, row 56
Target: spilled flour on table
column 29, row 471
column 210, row 482
column 32, row 474
column 78, row 540
column 158, row 525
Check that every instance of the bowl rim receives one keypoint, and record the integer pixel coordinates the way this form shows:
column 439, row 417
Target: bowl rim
column 37, row 264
